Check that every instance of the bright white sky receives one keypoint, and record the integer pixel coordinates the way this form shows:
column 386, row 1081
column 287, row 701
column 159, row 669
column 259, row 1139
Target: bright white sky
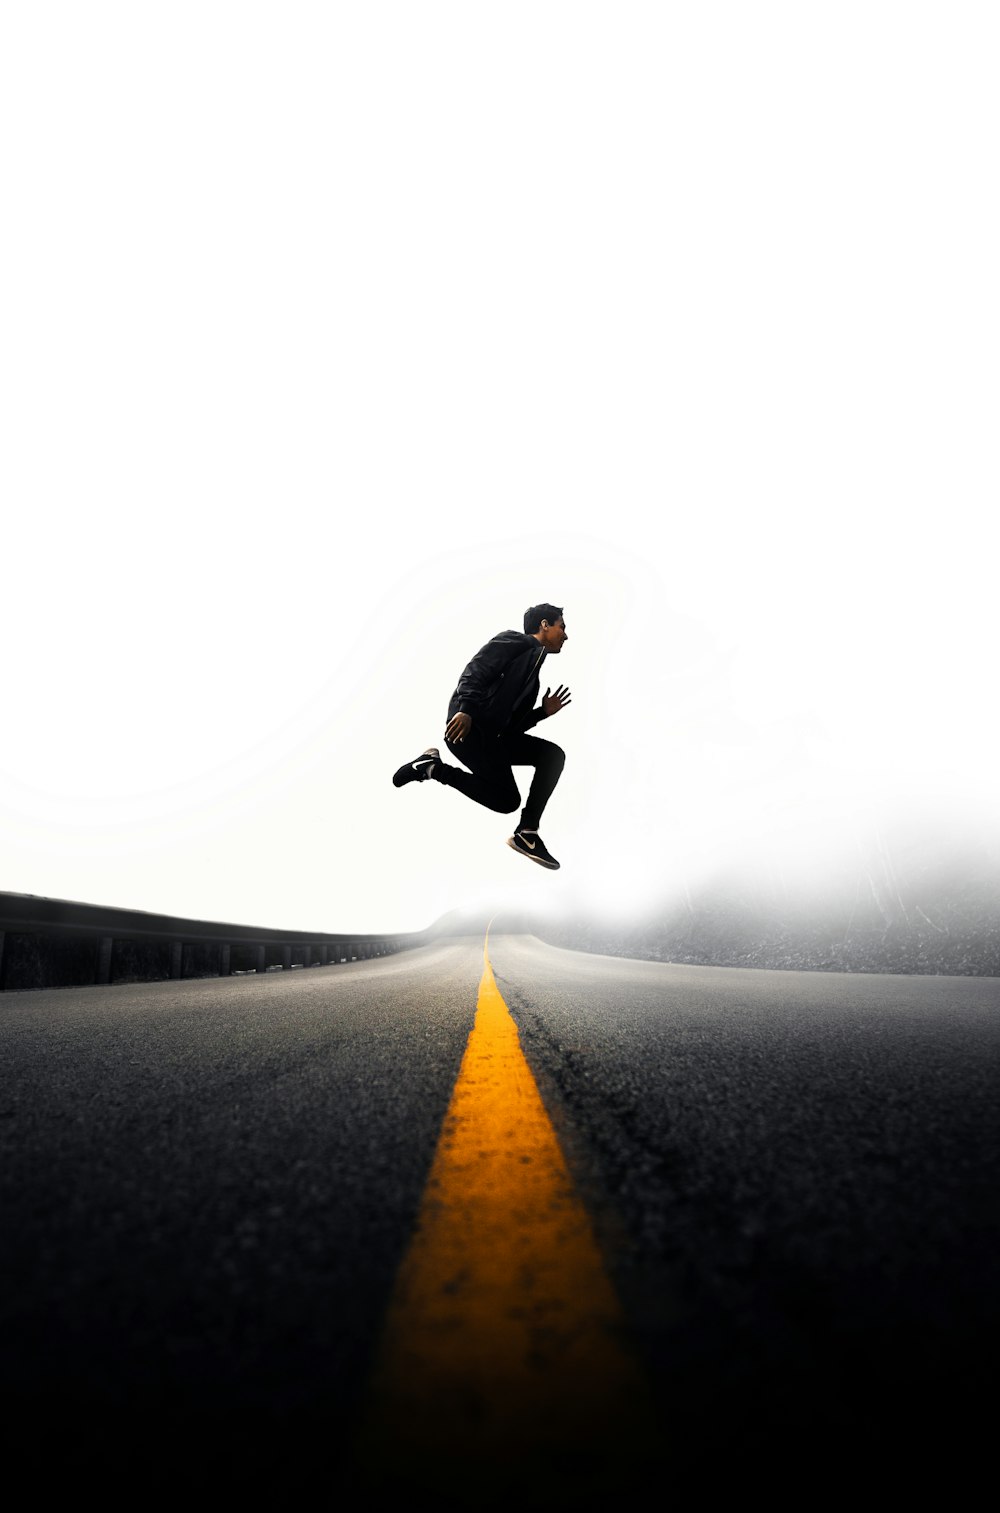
column 335, row 335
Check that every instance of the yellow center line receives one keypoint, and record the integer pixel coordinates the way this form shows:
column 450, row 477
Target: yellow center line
column 504, row 1337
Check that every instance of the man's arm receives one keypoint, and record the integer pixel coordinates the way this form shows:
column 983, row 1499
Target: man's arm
column 475, row 683
column 479, row 675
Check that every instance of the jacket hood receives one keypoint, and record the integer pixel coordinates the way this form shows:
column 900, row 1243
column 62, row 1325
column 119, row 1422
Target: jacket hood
column 509, row 637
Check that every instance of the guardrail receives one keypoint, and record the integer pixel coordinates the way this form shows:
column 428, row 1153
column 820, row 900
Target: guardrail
column 56, row 943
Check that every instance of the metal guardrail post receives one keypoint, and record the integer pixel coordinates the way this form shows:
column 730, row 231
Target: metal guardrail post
column 286, row 958
column 308, row 956
column 224, row 953
column 102, row 972
column 261, row 958
column 2, row 933
column 176, row 958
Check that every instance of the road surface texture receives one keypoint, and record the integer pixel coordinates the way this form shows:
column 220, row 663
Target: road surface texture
column 646, row 1232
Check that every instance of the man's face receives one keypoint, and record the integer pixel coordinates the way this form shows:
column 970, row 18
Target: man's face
column 553, row 636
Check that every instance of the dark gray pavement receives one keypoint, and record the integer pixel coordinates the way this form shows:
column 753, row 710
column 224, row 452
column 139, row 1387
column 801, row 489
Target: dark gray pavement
column 796, row 1176
column 207, row 1187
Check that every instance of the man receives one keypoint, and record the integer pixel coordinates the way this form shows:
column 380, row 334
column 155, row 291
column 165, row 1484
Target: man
column 489, row 715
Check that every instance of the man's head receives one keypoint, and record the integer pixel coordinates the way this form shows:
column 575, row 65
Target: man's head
column 545, row 622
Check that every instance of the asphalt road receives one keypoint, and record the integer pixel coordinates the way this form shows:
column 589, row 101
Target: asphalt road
column 208, row 1187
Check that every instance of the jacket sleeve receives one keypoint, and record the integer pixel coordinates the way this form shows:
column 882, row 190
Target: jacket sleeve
column 533, row 718
column 480, row 675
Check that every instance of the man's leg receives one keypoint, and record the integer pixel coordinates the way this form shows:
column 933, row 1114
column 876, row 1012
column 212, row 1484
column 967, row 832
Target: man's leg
column 490, row 781
column 548, row 761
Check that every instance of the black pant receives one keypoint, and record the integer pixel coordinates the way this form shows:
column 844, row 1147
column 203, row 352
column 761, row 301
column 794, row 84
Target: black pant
column 491, row 782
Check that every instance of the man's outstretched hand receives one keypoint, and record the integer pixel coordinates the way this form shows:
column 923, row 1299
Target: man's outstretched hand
column 553, row 702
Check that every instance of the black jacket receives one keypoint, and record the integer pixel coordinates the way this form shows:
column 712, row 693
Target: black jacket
column 499, row 686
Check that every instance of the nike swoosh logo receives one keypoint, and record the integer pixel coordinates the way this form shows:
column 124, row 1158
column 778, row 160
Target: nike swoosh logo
column 525, row 842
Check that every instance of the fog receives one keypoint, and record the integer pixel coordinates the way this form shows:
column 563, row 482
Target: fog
column 334, row 339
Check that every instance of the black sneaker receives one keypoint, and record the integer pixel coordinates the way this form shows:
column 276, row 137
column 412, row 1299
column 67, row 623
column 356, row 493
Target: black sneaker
column 529, row 843
column 417, row 771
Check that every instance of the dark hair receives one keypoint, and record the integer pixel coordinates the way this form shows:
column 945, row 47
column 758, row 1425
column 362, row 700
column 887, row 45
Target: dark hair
column 534, row 616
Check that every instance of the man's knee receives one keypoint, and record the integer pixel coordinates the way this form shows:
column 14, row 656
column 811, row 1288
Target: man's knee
column 557, row 757
column 511, row 800
column 506, row 801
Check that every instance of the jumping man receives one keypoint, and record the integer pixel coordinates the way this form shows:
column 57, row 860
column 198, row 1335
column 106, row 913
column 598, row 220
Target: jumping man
column 489, row 714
